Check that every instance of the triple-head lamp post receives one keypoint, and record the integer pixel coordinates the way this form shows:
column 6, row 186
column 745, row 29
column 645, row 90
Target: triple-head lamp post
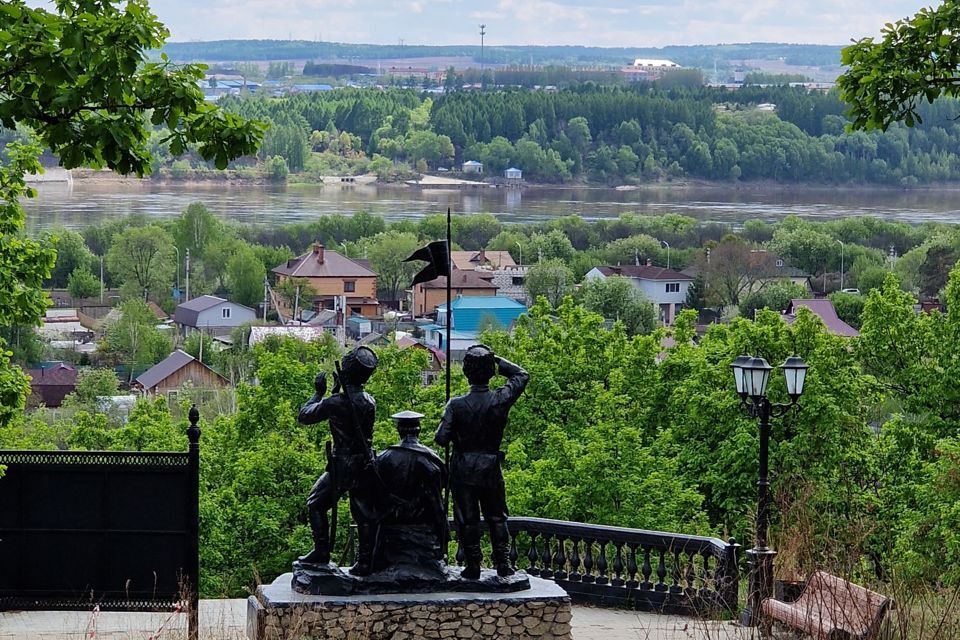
column 751, row 376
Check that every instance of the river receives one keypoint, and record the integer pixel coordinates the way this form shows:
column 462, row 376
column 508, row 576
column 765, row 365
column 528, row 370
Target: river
column 86, row 203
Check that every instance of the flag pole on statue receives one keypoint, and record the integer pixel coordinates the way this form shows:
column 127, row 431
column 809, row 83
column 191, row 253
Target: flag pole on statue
column 437, row 256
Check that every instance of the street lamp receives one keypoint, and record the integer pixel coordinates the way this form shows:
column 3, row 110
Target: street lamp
column 520, row 247
column 667, row 245
column 751, row 376
column 841, row 264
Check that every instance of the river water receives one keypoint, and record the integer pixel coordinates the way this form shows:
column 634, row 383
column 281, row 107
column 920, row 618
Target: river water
column 84, row 203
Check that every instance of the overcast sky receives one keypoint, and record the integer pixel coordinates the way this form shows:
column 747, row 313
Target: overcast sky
column 621, row 23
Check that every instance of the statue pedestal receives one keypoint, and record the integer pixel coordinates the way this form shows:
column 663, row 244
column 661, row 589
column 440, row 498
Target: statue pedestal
column 278, row 612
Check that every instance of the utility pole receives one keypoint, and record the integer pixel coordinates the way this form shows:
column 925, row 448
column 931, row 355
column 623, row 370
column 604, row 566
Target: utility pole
column 101, row 279
column 483, row 32
column 187, row 296
column 266, row 297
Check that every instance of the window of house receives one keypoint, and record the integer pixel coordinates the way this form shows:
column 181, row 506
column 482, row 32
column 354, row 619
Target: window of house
column 356, row 311
column 673, row 287
column 518, row 281
column 349, row 286
column 225, row 313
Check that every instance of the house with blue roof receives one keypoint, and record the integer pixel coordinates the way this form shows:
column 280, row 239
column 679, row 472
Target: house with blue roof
column 471, row 315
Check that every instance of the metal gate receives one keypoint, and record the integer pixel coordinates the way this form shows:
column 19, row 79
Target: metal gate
column 116, row 530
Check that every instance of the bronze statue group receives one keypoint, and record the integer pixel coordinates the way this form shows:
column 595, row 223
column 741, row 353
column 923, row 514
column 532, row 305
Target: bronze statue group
column 397, row 498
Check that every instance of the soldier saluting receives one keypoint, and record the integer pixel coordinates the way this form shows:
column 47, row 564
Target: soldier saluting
column 351, row 412
column 474, row 423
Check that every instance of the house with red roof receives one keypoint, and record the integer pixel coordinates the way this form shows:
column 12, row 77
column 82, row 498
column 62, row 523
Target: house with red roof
column 332, row 275
column 50, row 385
column 823, row 309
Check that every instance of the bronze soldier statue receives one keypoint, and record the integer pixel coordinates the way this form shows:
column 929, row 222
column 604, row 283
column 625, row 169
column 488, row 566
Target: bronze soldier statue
column 351, row 412
column 412, row 525
column 474, row 424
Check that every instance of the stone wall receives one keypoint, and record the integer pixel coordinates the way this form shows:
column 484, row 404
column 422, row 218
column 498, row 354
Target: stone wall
column 545, row 616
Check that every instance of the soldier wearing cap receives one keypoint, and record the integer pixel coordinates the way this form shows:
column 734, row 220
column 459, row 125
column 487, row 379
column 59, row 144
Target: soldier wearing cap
column 350, row 411
column 474, row 424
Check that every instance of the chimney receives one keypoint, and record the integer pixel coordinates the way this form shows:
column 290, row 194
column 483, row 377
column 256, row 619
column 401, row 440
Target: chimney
column 649, row 262
column 318, row 251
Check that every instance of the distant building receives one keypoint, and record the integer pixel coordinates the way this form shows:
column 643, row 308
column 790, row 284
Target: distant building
column 177, row 369
column 212, row 315
column 472, row 166
column 428, row 295
column 482, row 259
column 50, row 385
column 437, row 357
column 511, row 282
column 513, row 176
column 665, row 288
column 333, row 275
column 648, row 69
column 304, row 333
column 823, row 309
column 471, row 315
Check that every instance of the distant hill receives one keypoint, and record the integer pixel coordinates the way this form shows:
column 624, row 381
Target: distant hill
column 702, row 56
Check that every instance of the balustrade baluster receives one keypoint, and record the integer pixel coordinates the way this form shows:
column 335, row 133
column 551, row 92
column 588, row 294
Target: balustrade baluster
column 632, row 582
column 602, row 576
column 514, row 554
column 706, row 578
column 646, row 570
column 690, row 575
column 618, row 566
column 588, row 576
column 662, row 572
column 532, row 556
column 575, row 574
column 560, row 560
column 675, row 574
column 546, row 571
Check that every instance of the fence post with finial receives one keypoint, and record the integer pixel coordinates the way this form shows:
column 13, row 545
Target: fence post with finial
column 193, row 525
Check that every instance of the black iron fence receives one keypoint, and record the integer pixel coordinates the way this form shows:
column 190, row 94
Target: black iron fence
column 115, row 530
column 632, row 568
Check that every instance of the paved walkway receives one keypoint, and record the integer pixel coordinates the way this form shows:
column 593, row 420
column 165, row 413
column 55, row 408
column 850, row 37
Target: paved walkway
column 226, row 620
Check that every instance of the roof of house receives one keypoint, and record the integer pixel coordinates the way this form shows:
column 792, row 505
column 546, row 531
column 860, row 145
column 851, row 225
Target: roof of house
column 305, row 333
column 52, row 384
column 472, row 313
column 823, row 309
column 461, row 279
column 166, row 368
column 57, row 375
column 473, row 163
column 643, row 272
column 188, row 313
column 323, row 263
column 468, row 260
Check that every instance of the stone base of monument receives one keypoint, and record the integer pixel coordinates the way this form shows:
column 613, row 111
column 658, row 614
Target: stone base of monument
column 278, row 612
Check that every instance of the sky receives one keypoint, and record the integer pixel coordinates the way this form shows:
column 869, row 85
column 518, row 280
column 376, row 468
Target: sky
column 607, row 23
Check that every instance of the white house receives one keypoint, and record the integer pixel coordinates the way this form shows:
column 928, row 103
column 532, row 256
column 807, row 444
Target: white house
column 513, row 175
column 215, row 316
column 665, row 288
column 472, row 166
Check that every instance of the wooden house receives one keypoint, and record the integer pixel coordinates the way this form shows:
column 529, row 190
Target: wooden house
column 174, row 371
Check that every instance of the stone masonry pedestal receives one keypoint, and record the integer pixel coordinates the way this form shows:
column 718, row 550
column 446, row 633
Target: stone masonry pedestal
column 279, row 613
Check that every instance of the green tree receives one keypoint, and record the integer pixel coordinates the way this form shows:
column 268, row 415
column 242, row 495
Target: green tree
column 551, row 279
column 142, row 258
column 849, row 307
column 475, row 231
column 200, row 346
column 914, row 60
column 72, row 254
column 133, row 339
column 92, row 384
column 775, row 296
column 387, row 252
column 245, row 276
column 195, row 229
column 275, row 168
column 82, row 284
column 618, row 299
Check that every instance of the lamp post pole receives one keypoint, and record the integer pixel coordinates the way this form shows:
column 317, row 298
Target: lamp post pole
column 751, row 376
column 667, row 245
column 841, row 264
column 178, row 272
column 520, row 247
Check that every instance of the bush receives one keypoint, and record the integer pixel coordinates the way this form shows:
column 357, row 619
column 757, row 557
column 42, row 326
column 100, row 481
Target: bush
column 275, row 168
column 82, row 284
